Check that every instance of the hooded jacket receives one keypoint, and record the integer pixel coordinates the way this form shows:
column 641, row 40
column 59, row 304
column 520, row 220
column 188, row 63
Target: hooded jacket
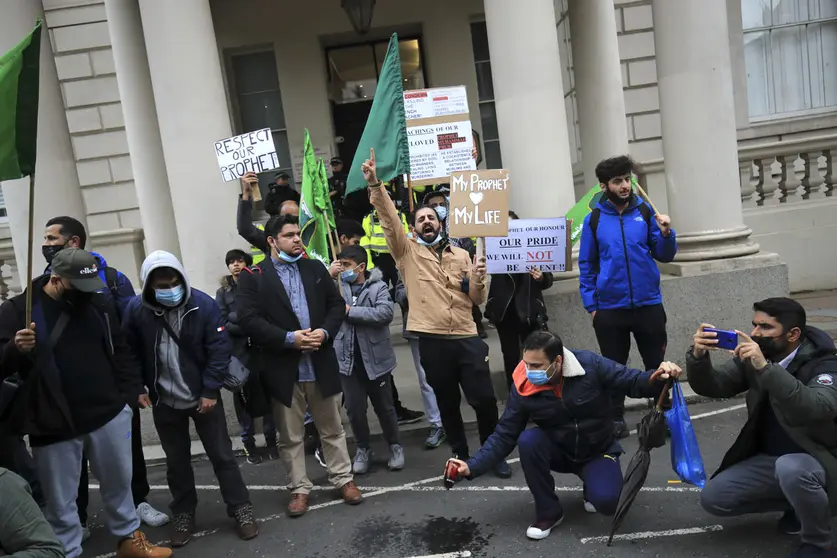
column 368, row 320
column 617, row 268
column 225, row 297
column 804, row 400
column 575, row 414
column 175, row 374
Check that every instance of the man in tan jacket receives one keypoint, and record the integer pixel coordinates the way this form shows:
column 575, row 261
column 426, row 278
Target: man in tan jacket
column 442, row 285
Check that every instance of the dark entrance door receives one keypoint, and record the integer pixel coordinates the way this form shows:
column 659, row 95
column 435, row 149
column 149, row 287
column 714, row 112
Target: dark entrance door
column 349, row 121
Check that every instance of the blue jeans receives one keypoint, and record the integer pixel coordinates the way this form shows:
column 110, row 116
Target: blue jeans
column 539, row 456
column 248, row 427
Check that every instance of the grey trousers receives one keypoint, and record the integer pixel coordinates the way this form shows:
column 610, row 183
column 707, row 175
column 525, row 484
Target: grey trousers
column 357, row 388
column 108, row 450
column 765, row 483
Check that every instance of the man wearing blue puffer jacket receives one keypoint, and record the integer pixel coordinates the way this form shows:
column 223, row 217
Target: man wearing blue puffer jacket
column 564, row 393
column 619, row 279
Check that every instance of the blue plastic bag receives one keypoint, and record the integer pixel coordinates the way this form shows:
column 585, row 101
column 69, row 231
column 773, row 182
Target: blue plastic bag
column 685, row 453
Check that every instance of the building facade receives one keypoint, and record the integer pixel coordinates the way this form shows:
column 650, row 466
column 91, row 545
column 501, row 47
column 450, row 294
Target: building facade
column 730, row 106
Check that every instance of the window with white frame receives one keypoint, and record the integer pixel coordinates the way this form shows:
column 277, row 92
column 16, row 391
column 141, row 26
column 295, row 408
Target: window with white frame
column 255, row 82
column 790, row 49
column 485, row 90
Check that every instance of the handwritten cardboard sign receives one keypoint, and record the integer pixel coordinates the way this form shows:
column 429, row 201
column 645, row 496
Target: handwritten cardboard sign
column 479, row 203
column 541, row 243
column 250, row 152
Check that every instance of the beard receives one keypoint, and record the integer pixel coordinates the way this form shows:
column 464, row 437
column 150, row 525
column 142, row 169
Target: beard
column 616, row 199
column 429, row 233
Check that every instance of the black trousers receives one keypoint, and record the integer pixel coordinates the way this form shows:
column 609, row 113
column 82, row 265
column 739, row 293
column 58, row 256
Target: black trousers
column 613, row 332
column 173, row 428
column 453, row 363
column 139, row 479
column 512, row 335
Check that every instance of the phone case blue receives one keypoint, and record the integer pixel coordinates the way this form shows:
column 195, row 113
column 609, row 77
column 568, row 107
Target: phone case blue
column 726, row 339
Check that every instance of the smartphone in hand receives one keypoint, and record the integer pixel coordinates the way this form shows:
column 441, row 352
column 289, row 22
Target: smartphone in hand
column 726, row 339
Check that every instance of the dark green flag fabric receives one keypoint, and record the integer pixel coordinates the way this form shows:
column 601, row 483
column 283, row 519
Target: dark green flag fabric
column 386, row 128
column 19, row 77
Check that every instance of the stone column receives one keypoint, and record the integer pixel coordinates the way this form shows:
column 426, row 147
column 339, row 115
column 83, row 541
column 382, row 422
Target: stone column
column 57, row 190
column 698, row 122
column 192, row 113
column 598, row 84
column 141, row 127
column 528, row 95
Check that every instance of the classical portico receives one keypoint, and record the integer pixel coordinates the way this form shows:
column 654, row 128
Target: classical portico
column 176, row 96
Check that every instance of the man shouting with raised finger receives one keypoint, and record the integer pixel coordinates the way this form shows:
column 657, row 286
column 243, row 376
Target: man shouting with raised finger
column 784, row 459
column 443, row 284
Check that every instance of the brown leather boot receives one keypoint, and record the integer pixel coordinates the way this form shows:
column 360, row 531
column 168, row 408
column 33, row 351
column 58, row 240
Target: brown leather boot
column 351, row 493
column 298, row 505
column 184, row 526
column 245, row 523
column 137, row 546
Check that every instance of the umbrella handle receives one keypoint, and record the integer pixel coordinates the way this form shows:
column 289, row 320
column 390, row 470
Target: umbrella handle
column 663, row 393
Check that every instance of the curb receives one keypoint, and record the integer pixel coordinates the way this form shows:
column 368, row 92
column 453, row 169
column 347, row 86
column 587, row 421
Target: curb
column 418, row 430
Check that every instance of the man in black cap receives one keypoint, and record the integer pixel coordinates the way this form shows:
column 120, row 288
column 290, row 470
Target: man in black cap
column 280, row 192
column 79, row 382
column 337, row 185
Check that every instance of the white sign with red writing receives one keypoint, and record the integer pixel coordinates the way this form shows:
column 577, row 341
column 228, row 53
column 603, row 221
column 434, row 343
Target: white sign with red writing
column 531, row 243
column 433, row 103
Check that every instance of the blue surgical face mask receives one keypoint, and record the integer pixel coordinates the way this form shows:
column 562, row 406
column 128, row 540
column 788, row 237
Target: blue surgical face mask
column 350, row 275
column 170, row 297
column 288, row 258
column 539, row 377
column 442, row 212
column 421, row 241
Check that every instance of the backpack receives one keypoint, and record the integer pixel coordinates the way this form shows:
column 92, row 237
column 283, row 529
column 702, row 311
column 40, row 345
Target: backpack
column 112, row 281
column 595, row 215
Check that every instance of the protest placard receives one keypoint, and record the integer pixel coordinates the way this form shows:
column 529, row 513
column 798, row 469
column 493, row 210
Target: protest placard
column 541, row 243
column 298, row 157
column 479, row 203
column 439, row 132
column 250, row 152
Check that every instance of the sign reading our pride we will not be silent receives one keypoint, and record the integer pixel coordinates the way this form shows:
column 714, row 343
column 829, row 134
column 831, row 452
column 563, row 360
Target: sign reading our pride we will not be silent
column 250, row 152
column 541, row 243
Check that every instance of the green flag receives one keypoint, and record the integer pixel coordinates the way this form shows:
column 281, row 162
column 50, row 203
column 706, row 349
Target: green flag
column 19, row 73
column 580, row 210
column 386, row 127
column 315, row 212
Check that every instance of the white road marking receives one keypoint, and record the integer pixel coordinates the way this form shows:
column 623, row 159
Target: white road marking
column 463, row 554
column 419, row 486
column 461, row 488
column 655, row 534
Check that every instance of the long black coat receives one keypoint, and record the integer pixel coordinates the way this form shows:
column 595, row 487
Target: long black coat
column 266, row 316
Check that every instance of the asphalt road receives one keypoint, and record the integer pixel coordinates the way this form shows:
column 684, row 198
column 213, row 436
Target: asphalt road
column 408, row 514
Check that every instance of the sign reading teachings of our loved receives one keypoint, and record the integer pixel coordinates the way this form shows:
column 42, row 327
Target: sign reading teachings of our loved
column 541, row 243
column 439, row 133
column 479, row 203
column 250, row 152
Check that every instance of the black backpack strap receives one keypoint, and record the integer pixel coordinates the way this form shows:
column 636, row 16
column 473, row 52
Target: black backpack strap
column 645, row 211
column 112, row 280
column 595, row 215
column 179, row 343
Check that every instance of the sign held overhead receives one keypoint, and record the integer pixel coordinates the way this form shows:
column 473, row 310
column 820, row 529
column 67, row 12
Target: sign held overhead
column 250, row 152
column 479, row 203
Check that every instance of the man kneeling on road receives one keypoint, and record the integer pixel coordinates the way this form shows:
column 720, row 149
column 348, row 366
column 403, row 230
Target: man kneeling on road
column 784, row 458
column 567, row 395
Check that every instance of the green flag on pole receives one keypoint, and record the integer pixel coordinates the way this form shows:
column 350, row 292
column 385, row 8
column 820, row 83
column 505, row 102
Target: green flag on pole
column 316, row 215
column 19, row 72
column 386, row 127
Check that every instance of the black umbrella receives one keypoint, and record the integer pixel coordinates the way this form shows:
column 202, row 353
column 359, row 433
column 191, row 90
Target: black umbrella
column 651, row 432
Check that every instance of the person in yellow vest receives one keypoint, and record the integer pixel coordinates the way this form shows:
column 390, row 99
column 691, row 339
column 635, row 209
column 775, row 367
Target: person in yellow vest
column 375, row 242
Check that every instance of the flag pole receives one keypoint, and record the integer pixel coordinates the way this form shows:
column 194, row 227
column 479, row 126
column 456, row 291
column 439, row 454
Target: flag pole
column 330, row 239
column 410, row 191
column 29, row 253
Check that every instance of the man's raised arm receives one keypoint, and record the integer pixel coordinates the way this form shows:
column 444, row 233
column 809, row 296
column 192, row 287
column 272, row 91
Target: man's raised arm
column 390, row 221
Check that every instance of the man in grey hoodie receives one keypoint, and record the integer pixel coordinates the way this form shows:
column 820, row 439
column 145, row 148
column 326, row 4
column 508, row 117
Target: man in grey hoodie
column 179, row 335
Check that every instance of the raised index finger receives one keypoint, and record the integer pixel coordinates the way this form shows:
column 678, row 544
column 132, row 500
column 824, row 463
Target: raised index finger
column 372, row 154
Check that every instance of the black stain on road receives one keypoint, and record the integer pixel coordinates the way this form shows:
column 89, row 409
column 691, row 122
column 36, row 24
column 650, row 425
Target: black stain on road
column 385, row 536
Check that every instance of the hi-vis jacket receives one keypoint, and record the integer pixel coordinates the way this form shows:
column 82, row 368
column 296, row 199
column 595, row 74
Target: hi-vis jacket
column 373, row 238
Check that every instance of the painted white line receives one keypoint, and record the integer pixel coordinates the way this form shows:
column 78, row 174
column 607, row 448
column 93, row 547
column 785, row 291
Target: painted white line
column 463, row 554
column 655, row 534
column 461, row 488
column 709, row 414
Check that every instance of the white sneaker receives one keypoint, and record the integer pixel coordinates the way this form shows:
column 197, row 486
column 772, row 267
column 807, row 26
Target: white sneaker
column 588, row 507
column 85, row 532
column 540, row 531
column 151, row 516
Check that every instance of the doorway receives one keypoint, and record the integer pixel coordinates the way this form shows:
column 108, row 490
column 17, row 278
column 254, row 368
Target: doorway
column 353, row 76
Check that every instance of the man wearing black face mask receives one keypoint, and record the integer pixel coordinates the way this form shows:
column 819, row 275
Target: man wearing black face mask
column 79, row 384
column 784, row 459
column 619, row 279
